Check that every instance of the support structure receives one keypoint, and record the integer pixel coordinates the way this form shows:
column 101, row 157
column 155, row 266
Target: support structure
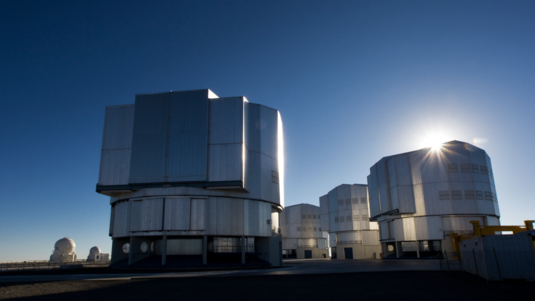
column 243, row 242
column 204, row 249
column 164, row 250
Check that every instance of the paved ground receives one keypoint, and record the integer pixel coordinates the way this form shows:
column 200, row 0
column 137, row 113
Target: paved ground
column 291, row 267
column 399, row 286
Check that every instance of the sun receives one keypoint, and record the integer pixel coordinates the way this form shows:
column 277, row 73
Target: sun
column 434, row 141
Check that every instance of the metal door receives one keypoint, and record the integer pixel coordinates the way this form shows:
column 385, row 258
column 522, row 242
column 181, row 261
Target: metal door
column 348, row 253
column 308, row 254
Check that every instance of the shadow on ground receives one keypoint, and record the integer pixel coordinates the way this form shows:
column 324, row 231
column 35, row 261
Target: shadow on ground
column 379, row 286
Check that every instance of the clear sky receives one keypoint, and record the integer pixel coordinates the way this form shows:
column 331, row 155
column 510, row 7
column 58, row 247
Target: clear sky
column 354, row 81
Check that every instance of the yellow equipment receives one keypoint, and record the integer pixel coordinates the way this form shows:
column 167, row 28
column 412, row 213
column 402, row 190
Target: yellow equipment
column 486, row 230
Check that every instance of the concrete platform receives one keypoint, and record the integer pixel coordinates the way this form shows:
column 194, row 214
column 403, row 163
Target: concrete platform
column 291, row 267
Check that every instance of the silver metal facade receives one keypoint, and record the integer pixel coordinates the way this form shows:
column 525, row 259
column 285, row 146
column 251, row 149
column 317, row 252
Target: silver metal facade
column 116, row 145
column 301, row 226
column 345, row 215
column 191, row 216
column 186, row 139
column 189, row 163
column 427, row 194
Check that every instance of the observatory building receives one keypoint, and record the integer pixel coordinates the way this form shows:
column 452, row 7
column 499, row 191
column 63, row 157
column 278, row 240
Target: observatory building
column 345, row 215
column 302, row 236
column 420, row 197
column 193, row 179
column 64, row 251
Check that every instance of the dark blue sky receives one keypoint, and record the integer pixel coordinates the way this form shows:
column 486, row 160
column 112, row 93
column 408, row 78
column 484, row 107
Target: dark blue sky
column 354, row 81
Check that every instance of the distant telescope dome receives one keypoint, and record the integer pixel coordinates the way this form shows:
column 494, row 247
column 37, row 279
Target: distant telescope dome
column 65, row 245
column 92, row 253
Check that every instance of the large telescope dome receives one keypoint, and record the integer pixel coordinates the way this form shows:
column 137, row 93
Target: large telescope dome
column 65, row 245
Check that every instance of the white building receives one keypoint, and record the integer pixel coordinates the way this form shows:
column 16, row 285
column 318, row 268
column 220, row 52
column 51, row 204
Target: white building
column 193, row 176
column 302, row 236
column 345, row 215
column 64, row 251
column 420, row 197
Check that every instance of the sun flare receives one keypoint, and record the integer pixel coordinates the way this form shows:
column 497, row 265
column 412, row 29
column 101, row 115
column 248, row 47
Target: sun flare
column 434, row 141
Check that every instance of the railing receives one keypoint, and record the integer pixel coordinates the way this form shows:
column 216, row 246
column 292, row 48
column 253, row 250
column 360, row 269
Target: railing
column 349, row 242
column 233, row 249
column 47, row 265
column 307, row 246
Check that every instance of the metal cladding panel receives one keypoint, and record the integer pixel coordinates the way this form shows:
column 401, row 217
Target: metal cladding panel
column 403, row 170
column 348, row 237
column 301, row 242
column 460, row 224
column 197, row 214
column 405, row 197
column 333, row 201
column 177, row 214
column 269, row 189
column 404, row 228
column 149, row 142
column 253, row 227
column 384, row 231
column 121, row 216
column 188, row 136
column 375, row 208
column 514, row 253
column 116, row 145
column 392, row 230
column 493, row 221
column 226, row 120
column 325, row 222
column 289, row 243
column 112, row 216
column 370, row 238
column 146, row 215
column 184, row 246
column 428, row 228
column 265, row 215
column 225, row 162
column 223, row 213
column 263, row 179
column 374, row 225
column 235, row 217
column 268, row 129
column 114, row 167
column 382, row 187
column 332, row 239
column 211, row 216
column 252, row 127
column 118, row 127
column 324, row 204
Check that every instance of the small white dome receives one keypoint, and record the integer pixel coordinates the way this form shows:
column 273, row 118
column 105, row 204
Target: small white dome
column 94, row 250
column 65, row 245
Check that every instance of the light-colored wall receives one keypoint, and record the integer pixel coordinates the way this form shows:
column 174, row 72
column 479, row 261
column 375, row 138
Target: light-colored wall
column 411, row 182
column 359, row 251
column 301, row 221
column 316, row 253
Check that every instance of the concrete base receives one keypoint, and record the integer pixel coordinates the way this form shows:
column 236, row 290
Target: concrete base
column 270, row 249
column 359, row 251
column 117, row 253
column 316, row 253
column 136, row 254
